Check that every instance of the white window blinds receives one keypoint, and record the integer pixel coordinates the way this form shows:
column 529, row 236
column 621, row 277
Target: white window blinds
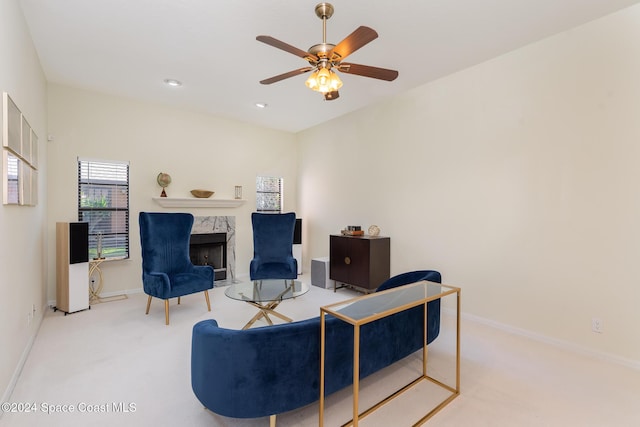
column 103, row 202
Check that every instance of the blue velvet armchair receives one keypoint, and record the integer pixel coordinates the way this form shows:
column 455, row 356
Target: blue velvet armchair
column 167, row 271
column 273, row 247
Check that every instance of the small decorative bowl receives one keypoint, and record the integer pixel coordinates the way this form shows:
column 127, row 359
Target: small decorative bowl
column 202, row 194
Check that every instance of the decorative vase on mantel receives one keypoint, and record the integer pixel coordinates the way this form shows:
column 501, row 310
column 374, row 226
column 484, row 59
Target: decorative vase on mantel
column 163, row 180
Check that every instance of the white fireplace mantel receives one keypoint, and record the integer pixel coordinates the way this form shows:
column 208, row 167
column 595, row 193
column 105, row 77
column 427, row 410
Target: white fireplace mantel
column 193, row 202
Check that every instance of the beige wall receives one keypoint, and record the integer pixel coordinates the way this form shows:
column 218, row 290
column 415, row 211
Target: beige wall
column 518, row 179
column 197, row 150
column 22, row 231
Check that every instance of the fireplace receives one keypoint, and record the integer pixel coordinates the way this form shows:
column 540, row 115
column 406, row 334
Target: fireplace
column 224, row 225
column 210, row 249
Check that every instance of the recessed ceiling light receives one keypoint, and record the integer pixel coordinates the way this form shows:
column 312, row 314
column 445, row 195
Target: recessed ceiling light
column 261, row 104
column 173, row 82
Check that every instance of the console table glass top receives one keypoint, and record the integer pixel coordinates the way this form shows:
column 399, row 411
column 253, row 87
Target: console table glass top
column 362, row 310
column 371, row 307
column 265, row 295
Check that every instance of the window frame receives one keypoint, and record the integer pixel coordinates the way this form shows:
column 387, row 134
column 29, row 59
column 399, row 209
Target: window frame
column 261, row 191
column 116, row 244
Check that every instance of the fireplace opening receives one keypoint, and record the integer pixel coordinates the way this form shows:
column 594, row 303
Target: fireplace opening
column 210, row 249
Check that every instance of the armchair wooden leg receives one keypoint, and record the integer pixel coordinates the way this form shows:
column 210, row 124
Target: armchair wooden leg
column 166, row 311
column 206, row 296
column 178, row 300
column 148, row 304
column 272, row 421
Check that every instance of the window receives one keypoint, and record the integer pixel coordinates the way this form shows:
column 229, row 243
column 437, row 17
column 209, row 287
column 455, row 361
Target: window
column 269, row 194
column 103, row 202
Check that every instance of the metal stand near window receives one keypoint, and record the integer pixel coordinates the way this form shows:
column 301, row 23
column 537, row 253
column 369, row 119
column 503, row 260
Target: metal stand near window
column 95, row 280
column 362, row 310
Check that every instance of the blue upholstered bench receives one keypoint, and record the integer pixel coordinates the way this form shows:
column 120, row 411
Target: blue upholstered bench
column 274, row 369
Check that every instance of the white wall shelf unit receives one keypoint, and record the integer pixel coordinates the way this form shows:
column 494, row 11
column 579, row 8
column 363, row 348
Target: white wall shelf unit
column 193, row 202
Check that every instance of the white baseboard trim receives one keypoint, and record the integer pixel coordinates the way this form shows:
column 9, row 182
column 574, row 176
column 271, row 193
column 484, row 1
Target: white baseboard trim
column 6, row 396
column 565, row 345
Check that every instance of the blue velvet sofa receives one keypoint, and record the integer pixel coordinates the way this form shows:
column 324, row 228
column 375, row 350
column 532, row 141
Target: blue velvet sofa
column 274, row 369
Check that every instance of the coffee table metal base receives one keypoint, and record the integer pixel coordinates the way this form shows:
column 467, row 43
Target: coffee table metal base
column 266, row 295
column 265, row 311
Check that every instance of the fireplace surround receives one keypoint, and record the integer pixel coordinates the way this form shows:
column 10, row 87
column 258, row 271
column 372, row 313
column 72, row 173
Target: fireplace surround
column 214, row 237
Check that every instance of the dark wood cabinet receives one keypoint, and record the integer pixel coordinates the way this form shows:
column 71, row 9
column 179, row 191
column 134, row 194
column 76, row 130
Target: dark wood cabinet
column 360, row 261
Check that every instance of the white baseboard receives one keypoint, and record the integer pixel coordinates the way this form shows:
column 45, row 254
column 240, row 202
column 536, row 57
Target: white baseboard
column 6, row 396
column 565, row 345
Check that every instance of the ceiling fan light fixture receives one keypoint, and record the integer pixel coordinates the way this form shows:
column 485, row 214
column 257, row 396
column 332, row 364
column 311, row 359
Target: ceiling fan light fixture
column 335, row 82
column 312, row 81
column 324, row 78
column 324, row 81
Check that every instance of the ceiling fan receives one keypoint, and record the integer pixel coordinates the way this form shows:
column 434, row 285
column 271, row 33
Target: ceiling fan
column 325, row 58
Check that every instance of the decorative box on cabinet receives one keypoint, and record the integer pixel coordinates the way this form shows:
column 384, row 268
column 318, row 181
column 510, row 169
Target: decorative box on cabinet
column 359, row 261
column 72, row 266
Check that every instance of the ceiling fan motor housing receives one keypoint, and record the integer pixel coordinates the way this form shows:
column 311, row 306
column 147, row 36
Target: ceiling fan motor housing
column 321, row 50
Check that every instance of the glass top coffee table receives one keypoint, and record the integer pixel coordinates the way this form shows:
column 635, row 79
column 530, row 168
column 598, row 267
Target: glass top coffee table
column 265, row 295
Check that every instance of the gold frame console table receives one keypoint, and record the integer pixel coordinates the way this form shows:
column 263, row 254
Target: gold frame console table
column 362, row 310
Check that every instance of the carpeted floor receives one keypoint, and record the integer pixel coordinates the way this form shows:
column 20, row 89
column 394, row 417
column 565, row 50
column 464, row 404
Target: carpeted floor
column 112, row 365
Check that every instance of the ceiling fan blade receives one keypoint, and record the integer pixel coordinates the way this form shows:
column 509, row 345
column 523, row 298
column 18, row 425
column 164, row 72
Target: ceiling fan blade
column 354, row 41
column 287, row 47
column 368, row 71
column 285, row 75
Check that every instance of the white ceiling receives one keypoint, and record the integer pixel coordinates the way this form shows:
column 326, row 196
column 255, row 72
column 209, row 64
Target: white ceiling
column 128, row 47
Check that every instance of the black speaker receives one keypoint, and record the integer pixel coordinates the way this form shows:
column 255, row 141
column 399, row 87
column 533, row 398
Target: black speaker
column 78, row 242
column 297, row 232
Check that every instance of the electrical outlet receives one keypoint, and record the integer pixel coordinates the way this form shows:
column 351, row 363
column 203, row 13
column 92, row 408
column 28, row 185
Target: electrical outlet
column 596, row 325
